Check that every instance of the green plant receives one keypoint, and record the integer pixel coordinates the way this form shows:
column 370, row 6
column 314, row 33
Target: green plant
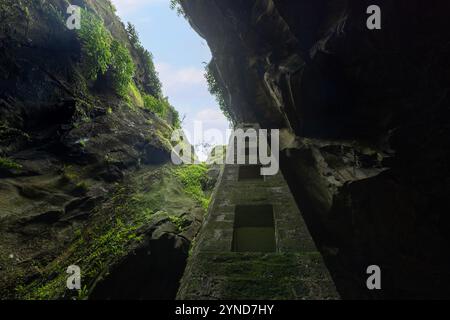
column 83, row 293
column 152, row 84
column 83, row 142
column 70, row 174
column 135, row 95
column 133, row 35
column 116, row 227
column 176, row 121
column 176, row 5
column 192, row 246
column 217, row 89
column 96, row 44
column 158, row 106
column 112, row 6
column 82, row 186
column 122, row 68
column 101, row 53
column 193, row 178
column 178, row 222
column 6, row 163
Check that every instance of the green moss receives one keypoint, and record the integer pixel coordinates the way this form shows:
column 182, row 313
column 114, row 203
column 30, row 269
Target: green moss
column 82, row 187
column 192, row 247
column 135, row 96
column 193, row 177
column 178, row 222
column 256, row 276
column 70, row 174
column 116, row 227
column 9, row 164
column 82, row 143
column 155, row 105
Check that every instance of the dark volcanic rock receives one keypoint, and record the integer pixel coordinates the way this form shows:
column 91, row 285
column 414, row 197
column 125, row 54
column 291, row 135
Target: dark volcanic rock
column 68, row 149
column 360, row 102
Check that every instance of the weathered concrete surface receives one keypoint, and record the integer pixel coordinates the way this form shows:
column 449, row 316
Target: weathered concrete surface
column 295, row 270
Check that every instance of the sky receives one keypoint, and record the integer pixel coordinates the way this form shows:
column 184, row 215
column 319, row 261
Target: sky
column 179, row 55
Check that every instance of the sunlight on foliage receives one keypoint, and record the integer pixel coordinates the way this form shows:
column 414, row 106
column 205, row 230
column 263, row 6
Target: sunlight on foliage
column 158, row 106
column 96, row 44
column 193, row 177
column 101, row 54
column 135, row 95
column 122, row 68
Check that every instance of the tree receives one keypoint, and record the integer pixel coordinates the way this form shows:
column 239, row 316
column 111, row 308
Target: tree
column 176, row 5
column 152, row 84
column 133, row 35
column 217, row 90
column 122, row 68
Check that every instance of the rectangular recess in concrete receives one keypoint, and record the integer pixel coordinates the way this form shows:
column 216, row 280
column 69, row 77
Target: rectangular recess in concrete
column 254, row 229
column 250, row 172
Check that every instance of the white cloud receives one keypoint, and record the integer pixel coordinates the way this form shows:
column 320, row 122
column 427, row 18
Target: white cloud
column 212, row 117
column 179, row 78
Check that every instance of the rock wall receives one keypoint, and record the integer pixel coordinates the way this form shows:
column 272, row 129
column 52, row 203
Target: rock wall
column 368, row 110
column 84, row 173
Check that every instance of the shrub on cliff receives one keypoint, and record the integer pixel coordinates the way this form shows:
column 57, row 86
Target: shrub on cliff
column 122, row 68
column 102, row 53
column 216, row 89
column 154, row 105
column 193, row 178
column 96, row 45
column 163, row 109
column 152, row 84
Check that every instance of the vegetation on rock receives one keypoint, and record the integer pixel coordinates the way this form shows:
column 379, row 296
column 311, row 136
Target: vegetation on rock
column 217, row 90
column 96, row 45
column 146, row 201
column 152, row 85
column 102, row 53
column 194, row 178
column 176, row 5
column 158, row 106
column 8, row 164
column 122, row 68
column 105, row 185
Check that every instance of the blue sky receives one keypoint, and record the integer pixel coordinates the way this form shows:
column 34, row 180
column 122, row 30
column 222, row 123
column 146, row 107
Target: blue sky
column 179, row 54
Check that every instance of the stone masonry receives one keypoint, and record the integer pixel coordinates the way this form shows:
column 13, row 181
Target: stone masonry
column 254, row 244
